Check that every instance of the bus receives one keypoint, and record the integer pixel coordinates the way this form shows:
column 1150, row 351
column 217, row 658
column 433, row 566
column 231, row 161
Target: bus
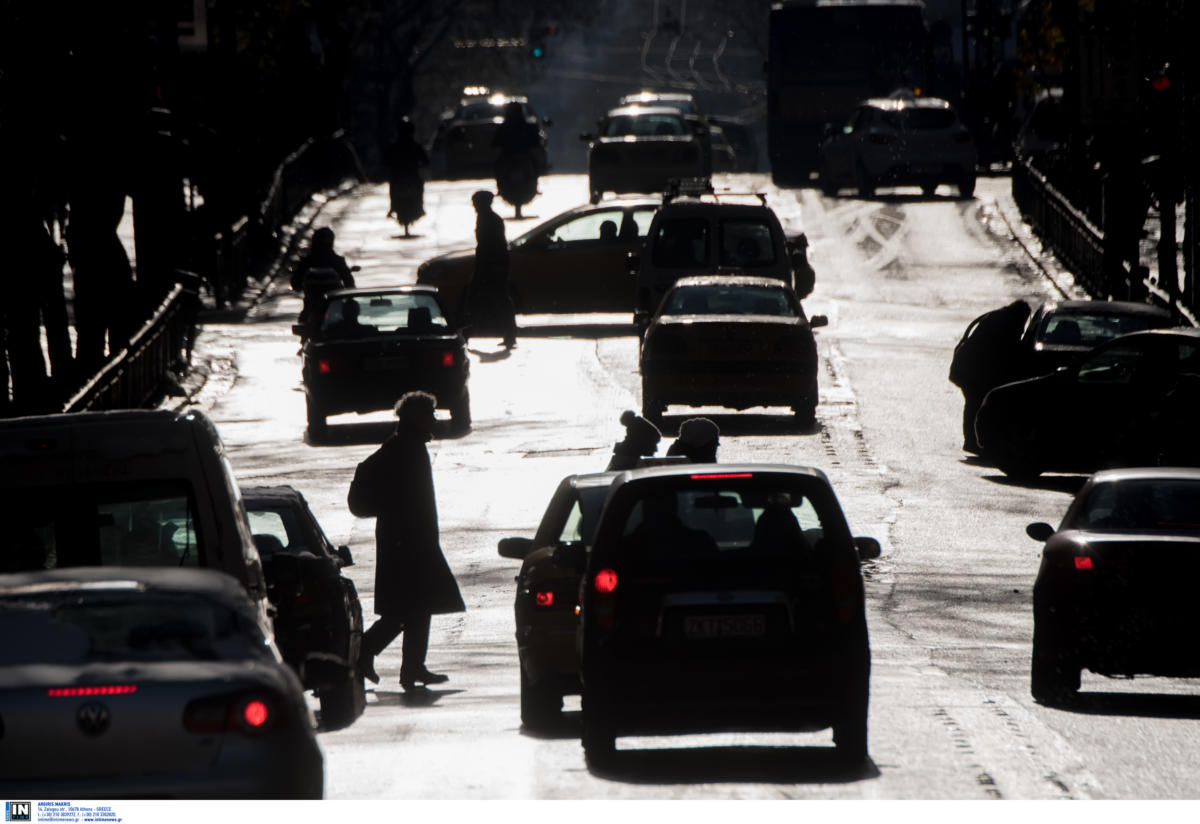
column 824, row 56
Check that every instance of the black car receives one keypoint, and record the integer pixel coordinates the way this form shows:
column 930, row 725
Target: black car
column 1129, row 402
column 723, row 598
column 547, row 595
column 728, row 340
column 370, row 346
column 320, row 621
column 1111, row 595
column 1062, row 330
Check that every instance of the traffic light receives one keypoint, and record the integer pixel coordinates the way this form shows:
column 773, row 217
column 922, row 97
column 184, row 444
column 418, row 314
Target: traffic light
column 1162, row 111
column 537, row 40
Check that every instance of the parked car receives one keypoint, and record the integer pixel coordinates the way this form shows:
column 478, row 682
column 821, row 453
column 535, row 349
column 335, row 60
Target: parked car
column 1109, row 595
column 462, row 146
column 728, row 340
column 573, row 262
column 698, row 232
column 124, row 682
column 899, row 141
column 373, row 345
column 548, row 594
column 123, row 488
column 699, row 576
column 317, row 604
column 1060, row 331
column 641, row 148
column 1129, row 402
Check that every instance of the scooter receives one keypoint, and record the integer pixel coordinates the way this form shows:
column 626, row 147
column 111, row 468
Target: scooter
column 516, row 179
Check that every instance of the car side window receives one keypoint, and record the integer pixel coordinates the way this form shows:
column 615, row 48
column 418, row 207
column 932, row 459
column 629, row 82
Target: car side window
column 587, row 228
column 269, row 522
column 572, row 531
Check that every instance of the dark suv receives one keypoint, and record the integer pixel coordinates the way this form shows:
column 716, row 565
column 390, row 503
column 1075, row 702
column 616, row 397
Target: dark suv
column 723, row 598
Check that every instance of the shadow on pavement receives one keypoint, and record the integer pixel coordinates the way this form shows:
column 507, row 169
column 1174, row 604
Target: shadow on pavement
column 396, row 697
column 1140, row 705
column 1069, row 484
column 712, row 765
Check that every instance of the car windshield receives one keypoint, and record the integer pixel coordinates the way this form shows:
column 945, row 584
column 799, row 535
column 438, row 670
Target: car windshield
column 736, row 516
column 149, row 524
column 355, row 315
column 1151, row 504
column 644, row 125
column 481, row 111
column 728, row 299
column 921, row 119
column 1089, row 329
column 78, row 627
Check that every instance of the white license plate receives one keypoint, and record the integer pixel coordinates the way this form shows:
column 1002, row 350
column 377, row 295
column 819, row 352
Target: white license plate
column 703, row 627
column 387, row 363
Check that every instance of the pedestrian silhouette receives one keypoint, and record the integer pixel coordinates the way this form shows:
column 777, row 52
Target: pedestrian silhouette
column 406, row 160
column 641, row 440
column 319, row 272
column 989, row 354
column 698, row 441
column 412, row 579
column 490, row 306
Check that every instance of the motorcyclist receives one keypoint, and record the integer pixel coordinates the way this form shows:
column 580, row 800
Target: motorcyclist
column 516, row 142
column 320, row 271
column 406, row 188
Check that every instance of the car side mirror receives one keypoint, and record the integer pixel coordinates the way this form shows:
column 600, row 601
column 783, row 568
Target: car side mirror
column 516, row 548
column 1039, row 531
column 571, row 556
column 633, row 262
column 817, row 321
column 586, row 137
column 868, row 548
column 343, row 552
column 300, row 329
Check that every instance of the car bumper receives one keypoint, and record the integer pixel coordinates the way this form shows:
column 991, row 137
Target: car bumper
column 736, row 386
column 371, row 392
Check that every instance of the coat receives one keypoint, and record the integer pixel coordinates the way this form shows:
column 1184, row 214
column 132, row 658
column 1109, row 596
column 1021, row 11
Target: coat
column 411, row 573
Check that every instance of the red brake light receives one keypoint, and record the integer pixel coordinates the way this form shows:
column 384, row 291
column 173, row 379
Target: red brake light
column 447, row 359
column 324, row 366
column 1083, row 562
column 79, row 692
column 606, row 581
column 255, row 713
column 544, row 599
column 721, row 476
column 249, row 713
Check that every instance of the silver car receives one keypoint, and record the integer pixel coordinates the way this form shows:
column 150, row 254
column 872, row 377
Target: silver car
column 121, row 682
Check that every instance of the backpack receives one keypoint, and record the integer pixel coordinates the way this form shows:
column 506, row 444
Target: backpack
column 367, row 498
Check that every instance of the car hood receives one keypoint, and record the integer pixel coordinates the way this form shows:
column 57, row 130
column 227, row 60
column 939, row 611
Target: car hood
column 455, row 256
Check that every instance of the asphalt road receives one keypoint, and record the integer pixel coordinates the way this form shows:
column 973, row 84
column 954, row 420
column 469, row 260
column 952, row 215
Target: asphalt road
column 948, row 602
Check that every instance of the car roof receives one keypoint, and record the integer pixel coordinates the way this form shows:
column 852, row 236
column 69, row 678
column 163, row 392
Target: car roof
column 692, row 203
column 898, row 103
column 408, row 289
column 1172, row 332
column 644, row 96
column 728, row 280
column 687, row 470
column 1116, row 307
column 210, row 583
column 638, row 109
column 592, row 479
column 281, row 493
column 1164, row 473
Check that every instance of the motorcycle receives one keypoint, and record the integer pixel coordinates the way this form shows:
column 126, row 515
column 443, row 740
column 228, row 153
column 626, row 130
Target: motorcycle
column 516, row 179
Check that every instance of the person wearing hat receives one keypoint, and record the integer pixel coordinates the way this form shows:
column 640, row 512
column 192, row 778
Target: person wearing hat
column 698, row 441
column 641, row 439
column 320, row 271
column 489, row 301
column 803, row 275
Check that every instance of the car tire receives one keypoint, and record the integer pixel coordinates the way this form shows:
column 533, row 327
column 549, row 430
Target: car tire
column 805, row 413
column 653, row 409
column 317, row 427
column 596, row 734
column 929, row 189
column 864, row 182
column 343, row 703
column 825, row 179
column 460, row 412
column 1054, row 677
column 850, row 735
column 966, row 186
column 541, row 705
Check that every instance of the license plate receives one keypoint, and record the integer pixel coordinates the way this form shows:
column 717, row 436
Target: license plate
column 386, row 363
column 704, row 627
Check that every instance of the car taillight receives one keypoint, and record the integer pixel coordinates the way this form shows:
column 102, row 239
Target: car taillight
column 324, row 366
column 83, row 692
column 1083, row 562
column 251, row 713
column 604, row 603
column 544, row 599
column 448, row 358
column 605, row 581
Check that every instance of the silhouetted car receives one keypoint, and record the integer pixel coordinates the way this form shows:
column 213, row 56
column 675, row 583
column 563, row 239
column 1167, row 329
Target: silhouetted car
column 1061, row 330
column 1112, row 594
column 741, row 137
column 730, row 340
column 1129, row 402
column 899, row 141
column 548, row 594
column 123, row 682
column 685, row 103
column 373, row 345
column 723, row 599
column 640, row 148
column 316, row 603
column 572, row 262
column 462, row 146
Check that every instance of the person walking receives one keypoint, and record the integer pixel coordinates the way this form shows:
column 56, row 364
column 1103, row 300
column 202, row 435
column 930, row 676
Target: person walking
column 988, row 355
column 698, row 441
column 412, row 579
column 489, row 301
column 406, row 159
column 640, row 441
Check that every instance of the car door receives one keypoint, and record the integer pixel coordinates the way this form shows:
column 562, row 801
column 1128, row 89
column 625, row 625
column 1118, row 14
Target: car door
column 571, row 268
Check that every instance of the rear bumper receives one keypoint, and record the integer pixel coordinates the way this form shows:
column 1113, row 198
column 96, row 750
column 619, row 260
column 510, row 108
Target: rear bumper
column 371, row 392
column 738, row 385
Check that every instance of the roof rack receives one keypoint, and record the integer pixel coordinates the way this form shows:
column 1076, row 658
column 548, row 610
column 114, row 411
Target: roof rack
column 699, row 186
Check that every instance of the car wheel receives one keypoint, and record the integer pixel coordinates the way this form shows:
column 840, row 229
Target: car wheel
column 653, row 409
column 343, row 703
column 866, row 185
column 966, row 185
column 825, row 178
column 928, row 189
column 541, row 706
column 805, row 413
column 1054, row 677
column 460, row 412
column 316, row 418
column 850, row 735
column 596, row 734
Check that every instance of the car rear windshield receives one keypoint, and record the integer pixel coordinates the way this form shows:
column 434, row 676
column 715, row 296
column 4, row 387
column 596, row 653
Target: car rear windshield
column 681, row 243
column 1152, row 504
column 922, row 119
column 368, row 314
column 722, row 299
column 99, row 525
column 644, row 125
column 733, row 515
column 1082, row 329
column 746, row 243
column 78, row 627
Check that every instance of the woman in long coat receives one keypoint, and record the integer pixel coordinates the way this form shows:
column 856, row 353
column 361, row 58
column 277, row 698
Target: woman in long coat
column 412, row 579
